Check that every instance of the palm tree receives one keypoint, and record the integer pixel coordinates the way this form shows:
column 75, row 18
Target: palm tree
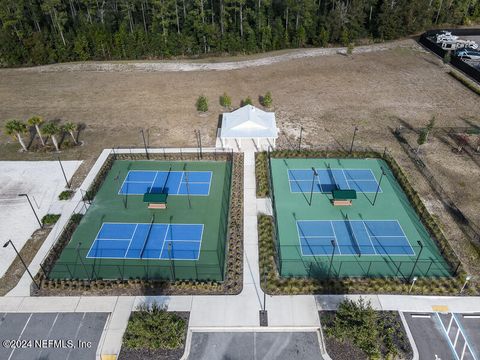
column 51, row 129
column 16, row 128
column 70, row 127
column 37, row 121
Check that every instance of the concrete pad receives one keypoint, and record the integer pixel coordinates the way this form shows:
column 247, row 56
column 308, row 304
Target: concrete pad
column 407, row 303
column 331, row 302
column 104, row 304
column 173, row 303
column 10, row 304
column 292, row 311
column 42, row 181
column 250, row 205
column 250, row 235
column 264, row 206
column 49, row 304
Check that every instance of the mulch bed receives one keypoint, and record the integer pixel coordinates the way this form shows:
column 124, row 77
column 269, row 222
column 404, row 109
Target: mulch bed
column 157, row 354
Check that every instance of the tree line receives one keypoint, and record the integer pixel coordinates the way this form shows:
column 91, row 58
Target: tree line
column 48, row 31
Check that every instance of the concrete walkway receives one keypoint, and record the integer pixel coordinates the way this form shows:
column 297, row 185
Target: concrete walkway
column 220, row 313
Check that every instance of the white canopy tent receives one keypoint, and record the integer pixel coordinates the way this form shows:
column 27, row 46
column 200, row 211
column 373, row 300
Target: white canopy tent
column 249, row 122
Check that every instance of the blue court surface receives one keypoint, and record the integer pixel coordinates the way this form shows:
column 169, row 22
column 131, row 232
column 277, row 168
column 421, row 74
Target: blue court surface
column 361, row 180
column 352, row 237
column 139, row 182
column 147, row 241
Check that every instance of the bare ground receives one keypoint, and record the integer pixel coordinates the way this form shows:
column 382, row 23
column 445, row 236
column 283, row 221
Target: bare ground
column 328, row 95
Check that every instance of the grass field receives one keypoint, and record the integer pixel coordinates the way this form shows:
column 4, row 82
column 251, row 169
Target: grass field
column 391, row 206
column 109, row 206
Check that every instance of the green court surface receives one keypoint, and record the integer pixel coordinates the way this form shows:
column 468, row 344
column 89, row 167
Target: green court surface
column 207, row 210
column 366, row 239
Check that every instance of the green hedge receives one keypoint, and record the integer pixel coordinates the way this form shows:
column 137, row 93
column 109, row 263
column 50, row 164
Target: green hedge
column 261, row 174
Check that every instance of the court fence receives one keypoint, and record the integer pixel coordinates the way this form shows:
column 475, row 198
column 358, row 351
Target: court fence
column 451, row 261
column 178, row 273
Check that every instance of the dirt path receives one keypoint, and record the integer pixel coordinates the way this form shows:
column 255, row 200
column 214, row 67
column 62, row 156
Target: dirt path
column 174, row 66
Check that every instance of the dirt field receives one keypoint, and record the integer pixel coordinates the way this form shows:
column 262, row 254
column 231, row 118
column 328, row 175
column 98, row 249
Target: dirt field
column 327, row 95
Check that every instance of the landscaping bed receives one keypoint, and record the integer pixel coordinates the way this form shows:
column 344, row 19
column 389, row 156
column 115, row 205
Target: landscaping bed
column 153, row 333
column 356, row 331
column 282, row 285
column 232, row 283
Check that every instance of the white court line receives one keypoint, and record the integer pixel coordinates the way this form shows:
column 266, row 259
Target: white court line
column 163, row 244
column 348, row 184
column 336, row 240
column 180, row 183
column 369, row 238
column 153, row 182
column 130, row 243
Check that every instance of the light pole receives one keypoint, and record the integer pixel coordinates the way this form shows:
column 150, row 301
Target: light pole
column 416, row 260
column 63, row 172
column 331, row 259
column 9, row 242
column 353, row 139
column 413, row 283
column 145, row 144
column 313, row 183
column 467, row 279
column 378, row 187
column 300, row 140
column 36, row 216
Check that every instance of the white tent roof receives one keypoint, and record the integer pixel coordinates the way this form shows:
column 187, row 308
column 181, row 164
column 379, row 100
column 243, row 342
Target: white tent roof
column 249, row 122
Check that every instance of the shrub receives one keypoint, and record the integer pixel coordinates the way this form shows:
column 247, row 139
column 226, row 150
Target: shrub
column 247, row 101
column 152, row 327
column 357, row 321
column 66, row 195
column 447, row 57
column 50, row 219
column 350, row 49
column 202, row 103
column 225, row 100
column 267, row 99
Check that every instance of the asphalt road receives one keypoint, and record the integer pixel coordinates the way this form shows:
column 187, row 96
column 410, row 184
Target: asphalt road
column 41, row 336
column 254, row 345
column 429, row 332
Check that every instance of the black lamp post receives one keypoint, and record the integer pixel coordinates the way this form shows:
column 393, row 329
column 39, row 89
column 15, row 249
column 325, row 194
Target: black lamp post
column 353, row 139
column 378, row 187
column 313, row 183
column 416, row 260
column 36, row 216
column 63, row 172
column 300, row 140
column 145, row 144
column 9, row 242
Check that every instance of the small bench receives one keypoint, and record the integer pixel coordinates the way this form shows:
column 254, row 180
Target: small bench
column 342, row 202
column 155, row 201
column 343, row 197
column 157, row 206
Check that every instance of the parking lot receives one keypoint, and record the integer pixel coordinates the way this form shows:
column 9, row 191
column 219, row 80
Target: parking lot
column 28, row 336
column 445, row 336
column 255, row 345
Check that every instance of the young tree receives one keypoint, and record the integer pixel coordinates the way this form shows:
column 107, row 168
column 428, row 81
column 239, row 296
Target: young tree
column 422, row 138
column 52, row 130
column 323, row 37
column 247, row 101
column 350, row 49
column 37, row 121
column 16, row 129
column 70, row 128
column 202, row 103
column 267, row 99
column 225, row 101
